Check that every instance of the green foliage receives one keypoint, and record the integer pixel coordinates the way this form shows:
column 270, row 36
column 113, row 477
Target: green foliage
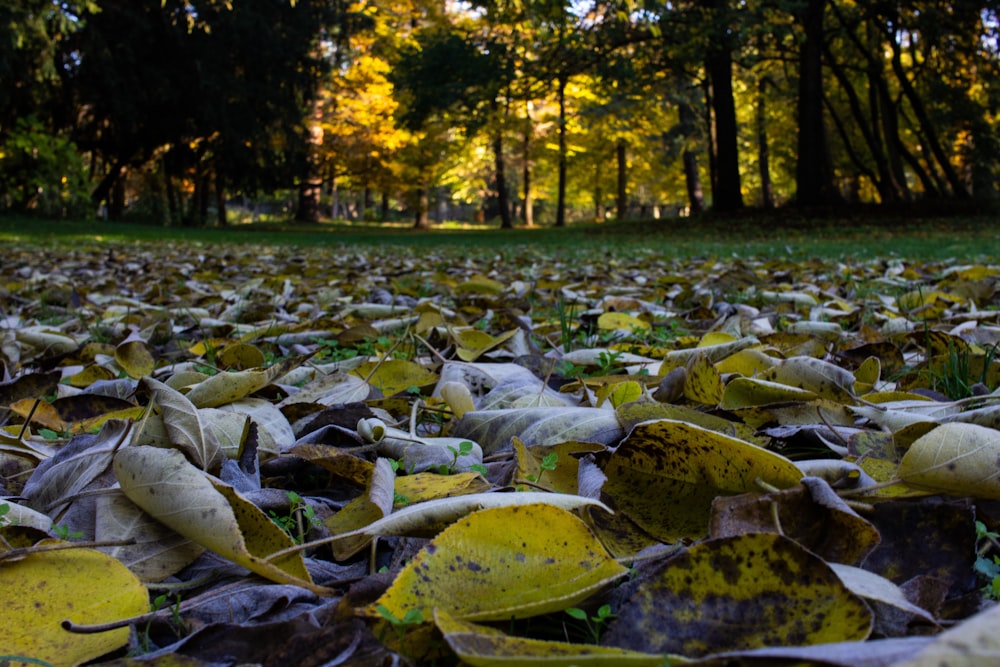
column 42, row 172
column 956, row 379
column 299, row 520
column 463, row 449
column 988, row 567
column 595, row 624
column 63, row 532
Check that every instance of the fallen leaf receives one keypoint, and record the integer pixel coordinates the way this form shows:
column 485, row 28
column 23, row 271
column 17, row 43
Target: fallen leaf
column 739, row 592
column 41, row 590
column 503, row 563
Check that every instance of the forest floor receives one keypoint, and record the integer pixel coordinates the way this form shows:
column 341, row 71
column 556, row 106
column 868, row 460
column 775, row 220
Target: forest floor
column 651, row 443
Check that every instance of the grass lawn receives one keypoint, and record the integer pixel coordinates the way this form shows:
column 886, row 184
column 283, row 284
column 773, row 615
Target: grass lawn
column 961, row 239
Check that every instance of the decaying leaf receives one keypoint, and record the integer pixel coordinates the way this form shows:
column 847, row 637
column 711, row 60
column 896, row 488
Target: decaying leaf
column 666, row 474
column 483, row 646
column 740, row 592
column 502, row 563
column 169, row 488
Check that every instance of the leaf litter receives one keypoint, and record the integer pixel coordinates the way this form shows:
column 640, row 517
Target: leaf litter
column 236, row 455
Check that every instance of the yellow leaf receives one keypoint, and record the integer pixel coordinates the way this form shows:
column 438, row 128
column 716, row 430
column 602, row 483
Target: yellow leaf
column 473, row 343
column 744, row 392
column 956, row 458
column 208, row 345
column 42, row 413
column 228, row 387
column 612, row 321
column 867, row 375
column 666, row 473
column 716, row 338
column 749, row 362
column 562, row 478
column 741, row 592
column 503, row 563
column 374, row 504
column 89, row 375
column 483, row 646
column 704, row 382
column 134, row 357
column 620, row 393
column 41, row 590
column 336, row 461
column 425, row 486
column 240, row 356
column 393, row 376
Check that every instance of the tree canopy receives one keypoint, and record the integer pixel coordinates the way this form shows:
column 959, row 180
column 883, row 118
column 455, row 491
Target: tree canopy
column 494, row 109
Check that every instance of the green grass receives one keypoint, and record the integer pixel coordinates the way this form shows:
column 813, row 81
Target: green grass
column 962, row 239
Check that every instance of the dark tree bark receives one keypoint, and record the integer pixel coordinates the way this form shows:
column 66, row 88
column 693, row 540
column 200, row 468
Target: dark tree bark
column 763, row 150
column 621, row 201
column 696, row 197
column 102, row 193
column 220, row 199
column 528, row 204
column 813, row 176
column 561, row 200
column 503, row 201
column 726, row 195
column 686, row 121
column 308, row 208
column 856, row 159
column 958, row 188
column 423, row 220
column 885, row 183
column 170, row 192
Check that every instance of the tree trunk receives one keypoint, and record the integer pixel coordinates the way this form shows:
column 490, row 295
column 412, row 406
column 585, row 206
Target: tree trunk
column 528, row 204
column 308, row 208
column 686, row 121
column 696, row 198
column 561, row 200
column 102, row 193
column 726, row 195
column 621, row 202
column 423, row 208
column 886, row 185
column 116, row 209
column 957, row 186
column 220, row 199
column 503, row 201
column 856, row 159
column 170, row 192
column 334, row 199
column 763, row 152
column 813, row 177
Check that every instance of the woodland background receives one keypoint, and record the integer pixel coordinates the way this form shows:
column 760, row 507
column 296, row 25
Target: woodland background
column 208, row 112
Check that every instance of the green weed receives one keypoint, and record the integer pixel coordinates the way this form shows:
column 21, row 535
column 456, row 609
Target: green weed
column 63, row 533
column 988, row 567
column 411, row 619
column 595, row 624
column 301, row 518
column 548, row 464
column 957, row 379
